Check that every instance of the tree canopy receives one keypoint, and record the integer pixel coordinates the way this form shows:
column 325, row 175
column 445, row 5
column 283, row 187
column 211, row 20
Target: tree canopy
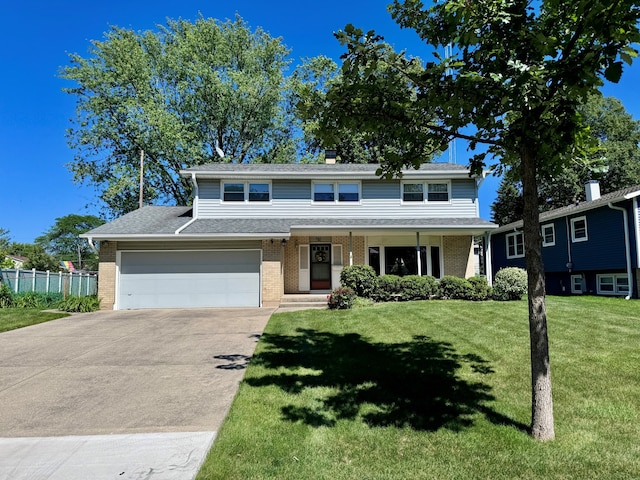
column 187, row 94
column 512, row 84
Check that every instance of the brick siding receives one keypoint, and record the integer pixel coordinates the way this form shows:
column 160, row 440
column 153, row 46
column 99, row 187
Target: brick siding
column 107, row 275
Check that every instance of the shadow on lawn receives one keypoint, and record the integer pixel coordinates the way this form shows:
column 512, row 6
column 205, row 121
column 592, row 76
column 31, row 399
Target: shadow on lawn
column 413, row 384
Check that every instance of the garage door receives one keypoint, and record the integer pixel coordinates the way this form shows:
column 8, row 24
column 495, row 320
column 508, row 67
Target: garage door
column 191, row 279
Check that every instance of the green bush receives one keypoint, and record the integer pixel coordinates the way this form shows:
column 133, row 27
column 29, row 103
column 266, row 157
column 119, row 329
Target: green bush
column 388, row 288
column 510, row 284
column 362, row 279
column 455, row 288
column 36, row 300
column 6, row 298
column 341, row 299
column 481, row 288
column 79, row 304
column 414, row 287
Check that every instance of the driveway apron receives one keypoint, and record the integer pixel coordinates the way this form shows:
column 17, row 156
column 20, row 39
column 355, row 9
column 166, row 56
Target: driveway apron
column 120, row 394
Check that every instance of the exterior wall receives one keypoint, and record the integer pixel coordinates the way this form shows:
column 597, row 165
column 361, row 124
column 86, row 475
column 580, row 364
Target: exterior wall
column 458, row 256
column 379, row 198
column 272, row 273
column 107, row 275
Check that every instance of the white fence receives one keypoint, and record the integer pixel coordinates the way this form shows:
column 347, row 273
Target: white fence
column 79, row 284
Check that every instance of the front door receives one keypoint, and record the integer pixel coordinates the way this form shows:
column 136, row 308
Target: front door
column 321, row 266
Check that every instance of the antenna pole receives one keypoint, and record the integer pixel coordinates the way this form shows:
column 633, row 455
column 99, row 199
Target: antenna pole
column 141, row 177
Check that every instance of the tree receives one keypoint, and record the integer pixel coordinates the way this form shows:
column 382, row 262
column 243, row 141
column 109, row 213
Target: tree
column 38, row 258
column 5, row 242
column 517, row 73
column 62, row 240
column 615, row 163
column 188, row 94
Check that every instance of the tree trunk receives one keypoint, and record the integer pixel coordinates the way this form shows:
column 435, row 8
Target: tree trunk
column 542, row 427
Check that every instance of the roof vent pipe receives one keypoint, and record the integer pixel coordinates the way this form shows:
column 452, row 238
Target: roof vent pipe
column 330, row 157
column 592, row 189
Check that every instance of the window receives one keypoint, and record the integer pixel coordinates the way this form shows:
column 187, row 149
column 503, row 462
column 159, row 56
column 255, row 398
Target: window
column 438, row 192
column 326, row 192
column 613, row 284
column 233, row 192
column 243, row 192
column 579, row 229
column 548, row 235
column 348, row 192
column 403, row 261
column 412, row 192
column 515, row 245
column 374, row 259
column 577, row 284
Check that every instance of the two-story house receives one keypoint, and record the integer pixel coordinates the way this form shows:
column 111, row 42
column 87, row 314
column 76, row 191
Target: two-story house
column 591, row 247
column 258, row 231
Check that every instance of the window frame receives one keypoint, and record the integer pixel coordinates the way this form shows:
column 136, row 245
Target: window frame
column 553, row 234
column 616, row 290
column 514, row 235
column 575, row 239
column 335, row 185
column 412, row 202
column 246, row 191
column 425, row 186
column 448, row 192
column 574, row 284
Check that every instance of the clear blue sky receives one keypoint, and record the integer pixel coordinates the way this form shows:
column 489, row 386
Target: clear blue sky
column 36, row 36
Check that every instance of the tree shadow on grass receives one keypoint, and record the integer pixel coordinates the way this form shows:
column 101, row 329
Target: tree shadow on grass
column 412, row 384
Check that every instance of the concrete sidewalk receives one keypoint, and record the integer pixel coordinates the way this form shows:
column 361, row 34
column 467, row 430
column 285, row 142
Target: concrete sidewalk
column 134, row 391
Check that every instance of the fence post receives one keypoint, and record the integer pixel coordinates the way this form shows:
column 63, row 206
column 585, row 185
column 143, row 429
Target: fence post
column 80, row 284
column 33, row 279
column 59, row 282
column 48, row 280
column 17, row 280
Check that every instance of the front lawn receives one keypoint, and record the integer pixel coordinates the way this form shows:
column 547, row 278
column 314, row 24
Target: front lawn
column 435, row 390
column 12, row 318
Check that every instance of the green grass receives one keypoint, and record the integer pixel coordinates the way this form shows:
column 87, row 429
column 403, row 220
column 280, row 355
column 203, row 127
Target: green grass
column 435, row 390
column 12, row 318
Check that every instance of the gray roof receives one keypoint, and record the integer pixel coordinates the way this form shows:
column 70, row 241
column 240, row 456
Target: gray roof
column 617, row 196
column 163, row 222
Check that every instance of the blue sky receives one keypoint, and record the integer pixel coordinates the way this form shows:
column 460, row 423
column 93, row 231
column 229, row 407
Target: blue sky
column 36, row 187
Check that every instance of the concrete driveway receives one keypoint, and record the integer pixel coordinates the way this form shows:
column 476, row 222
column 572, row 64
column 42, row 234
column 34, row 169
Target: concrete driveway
column 126, row 394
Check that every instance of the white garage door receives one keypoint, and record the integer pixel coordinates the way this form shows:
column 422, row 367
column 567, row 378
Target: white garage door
column 165, row 279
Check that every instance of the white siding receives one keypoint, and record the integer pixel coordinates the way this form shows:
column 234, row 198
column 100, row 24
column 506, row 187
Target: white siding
column 379, row 199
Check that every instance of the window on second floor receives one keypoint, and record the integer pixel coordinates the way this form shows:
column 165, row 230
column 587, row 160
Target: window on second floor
column 438, row 192
column 548, row 235
column 246, row 192
column 421, row 191
column 515, row 245
column 579, row 229
column 326, row 192
column 412, row 192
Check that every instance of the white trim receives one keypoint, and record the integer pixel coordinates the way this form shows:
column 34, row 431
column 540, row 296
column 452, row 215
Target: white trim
column 425, row 192
column 573, row 284
column 515, row 245
column 553, row 231
column 304, row 274
column 245, row 192
column 336, row 192
column 573, row 229
column 616, row 289
column 636, row 224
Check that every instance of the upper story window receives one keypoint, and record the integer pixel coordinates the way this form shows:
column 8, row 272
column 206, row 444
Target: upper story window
column 579, row 229
column 415, row 191
column 515, row 245
column 246, row 192
column 548, row 235
column 326, row 192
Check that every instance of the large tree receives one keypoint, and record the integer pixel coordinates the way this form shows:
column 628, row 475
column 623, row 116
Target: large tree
column 187, row 94
column 513, row 82
column 614, row 162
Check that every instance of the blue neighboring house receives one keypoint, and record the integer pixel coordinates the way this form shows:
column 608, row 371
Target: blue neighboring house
column 592, row 247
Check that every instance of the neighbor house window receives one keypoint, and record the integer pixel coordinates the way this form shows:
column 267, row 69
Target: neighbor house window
column 613, row 284
column 579, row 229
column 438, row 192
column 515, row 245
column 413, row 192
column 246, row 192
column 577, row 284
column 548, row 235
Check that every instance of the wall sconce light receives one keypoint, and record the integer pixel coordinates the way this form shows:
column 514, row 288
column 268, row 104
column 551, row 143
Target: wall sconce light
column 284, row 242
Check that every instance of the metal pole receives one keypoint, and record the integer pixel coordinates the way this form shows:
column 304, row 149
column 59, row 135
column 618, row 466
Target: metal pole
column 418, row 254
column 141, row 177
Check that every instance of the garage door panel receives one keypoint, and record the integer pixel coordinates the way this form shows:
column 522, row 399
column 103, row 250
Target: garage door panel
column 189, row 279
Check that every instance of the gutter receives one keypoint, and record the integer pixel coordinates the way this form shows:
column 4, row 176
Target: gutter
column 627, row 246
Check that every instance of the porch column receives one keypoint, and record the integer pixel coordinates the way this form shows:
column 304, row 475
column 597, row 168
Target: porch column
column 350, row 248
column 418, row 254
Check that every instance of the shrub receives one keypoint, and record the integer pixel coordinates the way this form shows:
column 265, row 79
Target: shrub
column 414, row 287
column 455, row 288
column 6, row 298
column 388, row 288
column 341, row 299
column 36, row 300
column 510, row 284
column 79, row 304
column 481, row 288
column 362, row 279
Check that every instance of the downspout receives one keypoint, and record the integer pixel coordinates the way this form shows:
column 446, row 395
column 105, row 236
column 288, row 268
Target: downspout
column 488, row 267
column 92, row 246
column 625, row 216
column 569, row 257
column 195, row 205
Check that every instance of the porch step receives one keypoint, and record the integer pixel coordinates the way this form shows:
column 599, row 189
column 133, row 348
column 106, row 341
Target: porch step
column 303, row 301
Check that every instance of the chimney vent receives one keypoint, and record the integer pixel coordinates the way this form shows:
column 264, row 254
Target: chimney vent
column 330, row 157
column 592, row 189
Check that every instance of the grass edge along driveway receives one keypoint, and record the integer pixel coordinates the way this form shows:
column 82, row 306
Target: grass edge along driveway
column 12, row 318
column 435, row 390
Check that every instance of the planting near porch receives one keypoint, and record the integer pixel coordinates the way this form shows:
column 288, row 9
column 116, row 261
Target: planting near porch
column 435, row 390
